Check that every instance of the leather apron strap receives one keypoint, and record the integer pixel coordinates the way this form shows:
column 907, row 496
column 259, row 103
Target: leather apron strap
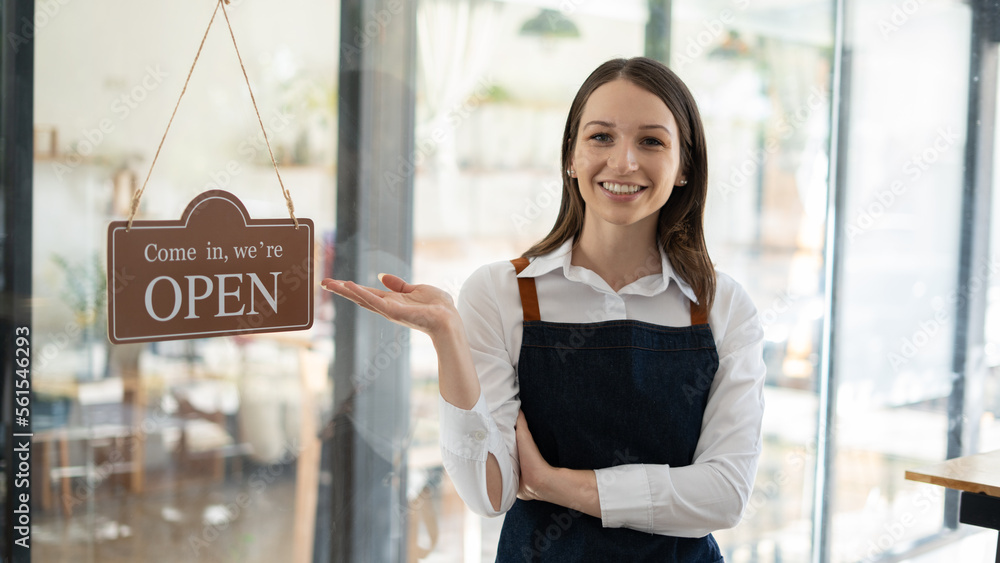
column 526, row 286
column 699, row 316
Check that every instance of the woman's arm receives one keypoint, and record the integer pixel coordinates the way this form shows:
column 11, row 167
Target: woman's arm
column 460, row 387
column 572, row 488
column 470, row 438
column 691, row 501
column 480, row 439
column 711, row 493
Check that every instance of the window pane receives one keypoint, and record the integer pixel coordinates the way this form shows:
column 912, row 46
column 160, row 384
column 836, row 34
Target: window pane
column 199, row 449
column 488, row 185
column 989, row 437
column 761, row 75
column 489, row 188
column 895, row 332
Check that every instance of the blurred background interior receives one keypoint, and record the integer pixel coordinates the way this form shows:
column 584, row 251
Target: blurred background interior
column 841, row 195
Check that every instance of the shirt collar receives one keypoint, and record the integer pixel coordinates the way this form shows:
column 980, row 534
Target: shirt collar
column 647, row 286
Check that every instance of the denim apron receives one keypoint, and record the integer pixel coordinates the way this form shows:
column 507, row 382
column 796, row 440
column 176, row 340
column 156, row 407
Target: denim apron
column 597, row 395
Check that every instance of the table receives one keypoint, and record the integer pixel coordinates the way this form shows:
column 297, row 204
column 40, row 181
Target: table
column 978, row 478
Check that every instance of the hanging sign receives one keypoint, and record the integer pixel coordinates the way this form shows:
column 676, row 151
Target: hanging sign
column 215, row 272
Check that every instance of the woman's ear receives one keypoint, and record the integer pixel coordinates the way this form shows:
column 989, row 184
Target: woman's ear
column 681, row 179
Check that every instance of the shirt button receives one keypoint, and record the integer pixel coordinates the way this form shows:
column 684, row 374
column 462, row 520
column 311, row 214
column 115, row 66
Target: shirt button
column 479, row 435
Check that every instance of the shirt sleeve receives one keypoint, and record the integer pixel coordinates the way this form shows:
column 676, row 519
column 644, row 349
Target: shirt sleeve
column 469, row 436
column 712, row 492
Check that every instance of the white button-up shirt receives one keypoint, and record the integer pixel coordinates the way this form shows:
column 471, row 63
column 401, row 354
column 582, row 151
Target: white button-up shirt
column 692, row 501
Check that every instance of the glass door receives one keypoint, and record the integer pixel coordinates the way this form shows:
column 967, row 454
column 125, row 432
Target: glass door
column 203, row 449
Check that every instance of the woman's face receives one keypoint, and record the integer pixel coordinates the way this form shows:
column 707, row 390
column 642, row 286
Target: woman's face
column 626, row 156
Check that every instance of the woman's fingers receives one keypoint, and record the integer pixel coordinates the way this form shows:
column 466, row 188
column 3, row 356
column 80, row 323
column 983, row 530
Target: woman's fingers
column 391, row 305
column 531, row 459
column 339, row 288
column 421, row 307
column 334, row 285
column 395, row 283
column 369, row 298
column 355, row 293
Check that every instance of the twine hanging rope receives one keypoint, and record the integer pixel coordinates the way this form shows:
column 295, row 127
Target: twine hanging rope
column 284, row 191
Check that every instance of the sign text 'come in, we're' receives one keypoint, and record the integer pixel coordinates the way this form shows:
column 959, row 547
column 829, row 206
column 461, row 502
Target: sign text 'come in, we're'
column 215, row 272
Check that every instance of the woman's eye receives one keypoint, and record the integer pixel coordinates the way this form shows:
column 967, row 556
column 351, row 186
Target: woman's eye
column 653, row 142
column 601, row 137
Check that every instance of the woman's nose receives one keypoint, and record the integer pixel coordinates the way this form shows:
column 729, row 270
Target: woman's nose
column 622, row 159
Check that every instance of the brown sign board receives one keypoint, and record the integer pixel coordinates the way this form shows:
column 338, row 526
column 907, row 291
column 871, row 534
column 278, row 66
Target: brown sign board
column 215, row 272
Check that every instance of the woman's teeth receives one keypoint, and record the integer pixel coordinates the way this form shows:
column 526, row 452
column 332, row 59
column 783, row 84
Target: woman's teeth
column 620, row 189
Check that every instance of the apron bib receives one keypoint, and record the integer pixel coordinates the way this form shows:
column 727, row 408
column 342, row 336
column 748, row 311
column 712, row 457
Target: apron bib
column 597, row 395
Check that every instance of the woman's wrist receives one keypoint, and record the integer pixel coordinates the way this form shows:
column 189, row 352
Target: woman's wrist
column 448, row 331
column 457, row 379
column 572, row 488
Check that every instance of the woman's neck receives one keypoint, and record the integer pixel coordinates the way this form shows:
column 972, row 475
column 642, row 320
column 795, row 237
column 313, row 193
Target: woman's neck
column 619, row 255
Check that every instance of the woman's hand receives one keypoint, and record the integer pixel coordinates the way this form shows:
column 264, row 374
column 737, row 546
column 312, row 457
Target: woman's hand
column 430, row 310
column 422, row 307
column 573, row 488
column 535, row 471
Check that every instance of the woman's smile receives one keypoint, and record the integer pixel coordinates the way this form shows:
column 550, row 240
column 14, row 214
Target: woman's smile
column 620, row 188
column 626, row 158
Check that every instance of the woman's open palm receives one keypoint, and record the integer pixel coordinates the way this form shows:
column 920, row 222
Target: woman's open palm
column 422, row 307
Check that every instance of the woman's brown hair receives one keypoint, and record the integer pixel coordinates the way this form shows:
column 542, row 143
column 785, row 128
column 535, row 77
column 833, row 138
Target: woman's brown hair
column 680, row 229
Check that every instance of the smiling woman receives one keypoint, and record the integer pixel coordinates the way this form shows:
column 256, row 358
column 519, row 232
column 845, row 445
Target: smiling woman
column 644, row 401
column 629, row 130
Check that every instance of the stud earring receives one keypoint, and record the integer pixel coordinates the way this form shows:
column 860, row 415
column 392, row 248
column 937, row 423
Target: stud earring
column 570, row 172
column 682, row 183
